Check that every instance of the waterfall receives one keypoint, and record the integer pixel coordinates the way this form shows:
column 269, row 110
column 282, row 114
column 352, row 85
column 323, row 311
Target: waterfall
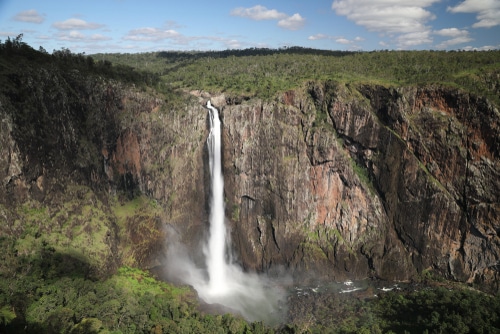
column 215, row 254
column 221, row 281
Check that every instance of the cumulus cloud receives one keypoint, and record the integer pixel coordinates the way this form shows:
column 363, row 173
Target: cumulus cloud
column 76, row 24
column 72, row 36
column 338, row 39
column 31, row 16
column 457, row 36
column 403, row 20
column 99, row 37
column 352, row 43
column 412, row 39
column 232, row 43
column 152, row 34
column 481, row 48
column 75, row 35
column 342, row 41
column 317, row 37
column 488, row 12
column 450, row 32
column 259, row 13
column 293, row 22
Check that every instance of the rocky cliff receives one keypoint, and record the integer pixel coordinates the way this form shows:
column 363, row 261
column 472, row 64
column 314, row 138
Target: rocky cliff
column 361, row 180
column 94, row 168
column 329, row 180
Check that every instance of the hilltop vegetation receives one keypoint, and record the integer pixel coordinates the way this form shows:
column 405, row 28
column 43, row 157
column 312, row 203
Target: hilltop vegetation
column 264, row 72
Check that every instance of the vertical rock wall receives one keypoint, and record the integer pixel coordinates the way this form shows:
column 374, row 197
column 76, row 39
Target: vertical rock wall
column 337, row 181
column 351, row 181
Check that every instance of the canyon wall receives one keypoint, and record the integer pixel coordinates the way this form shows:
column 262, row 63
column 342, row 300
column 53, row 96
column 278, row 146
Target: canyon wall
column 356, row 181
column 329, row 180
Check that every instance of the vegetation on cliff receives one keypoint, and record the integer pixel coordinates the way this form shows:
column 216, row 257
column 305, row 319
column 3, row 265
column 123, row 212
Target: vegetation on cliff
column 72, row 236
column 264, row 72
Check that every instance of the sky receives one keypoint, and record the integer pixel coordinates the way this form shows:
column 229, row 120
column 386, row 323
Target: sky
column 131, row 26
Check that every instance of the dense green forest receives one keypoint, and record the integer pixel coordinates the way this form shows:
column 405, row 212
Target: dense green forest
column 264, row 72
column 43, row 290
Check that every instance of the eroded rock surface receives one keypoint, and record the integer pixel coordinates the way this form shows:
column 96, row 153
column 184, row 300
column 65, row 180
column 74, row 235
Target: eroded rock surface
column 329, row 180
column 366, row 181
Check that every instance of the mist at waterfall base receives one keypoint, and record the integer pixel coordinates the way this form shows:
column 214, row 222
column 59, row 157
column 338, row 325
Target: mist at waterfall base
column 217, row 278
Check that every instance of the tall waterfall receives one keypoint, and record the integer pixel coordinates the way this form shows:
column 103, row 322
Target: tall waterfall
column 221, row 281
column 216, row 254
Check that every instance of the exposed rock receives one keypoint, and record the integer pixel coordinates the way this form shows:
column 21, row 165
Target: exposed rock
column 329, row 180
column 358, row 181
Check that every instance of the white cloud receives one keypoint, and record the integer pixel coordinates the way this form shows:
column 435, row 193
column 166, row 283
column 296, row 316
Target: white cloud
column 172, row 37
column 453, row 41
column 293, row 22
column 75, row 35
column 488, row 12
column 412, row 39
column 403, row 20
column 233, row 44
column 481, row 48
column 343, row 41
column 72, row 36
column 259, row 13
column 317, row 37
column 10, row 34
column 76, row 24
column 353, row 43
column 457, row 36
column 99, row 37
column 31, row 16
column 451, row 32
column 152, row 34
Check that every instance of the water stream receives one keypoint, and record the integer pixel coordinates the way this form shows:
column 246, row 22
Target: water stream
column 220, row 281
column 215, row 253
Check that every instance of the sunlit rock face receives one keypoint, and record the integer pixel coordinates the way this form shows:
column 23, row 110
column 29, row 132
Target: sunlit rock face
column 365, row 181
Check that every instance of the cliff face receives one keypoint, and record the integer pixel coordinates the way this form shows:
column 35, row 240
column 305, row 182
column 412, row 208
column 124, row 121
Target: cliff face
column 94, row 169
column 332, row 180
column 357, row 181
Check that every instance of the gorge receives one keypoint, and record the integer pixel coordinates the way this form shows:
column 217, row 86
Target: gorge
column 331, row 180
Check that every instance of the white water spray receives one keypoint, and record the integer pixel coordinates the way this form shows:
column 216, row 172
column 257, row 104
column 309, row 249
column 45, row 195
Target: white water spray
column 215, row 254
column 222, row 282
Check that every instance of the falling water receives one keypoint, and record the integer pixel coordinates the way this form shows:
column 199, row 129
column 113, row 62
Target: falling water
column 216, row 257
column 221, row 281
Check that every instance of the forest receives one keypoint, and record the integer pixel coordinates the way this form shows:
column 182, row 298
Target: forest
column 43, row 290
column 264, row 72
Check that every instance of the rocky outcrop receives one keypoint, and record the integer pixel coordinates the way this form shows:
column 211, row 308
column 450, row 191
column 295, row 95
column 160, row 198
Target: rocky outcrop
column 356, row 181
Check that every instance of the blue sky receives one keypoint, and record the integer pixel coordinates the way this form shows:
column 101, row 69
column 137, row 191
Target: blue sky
column 129, row 26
